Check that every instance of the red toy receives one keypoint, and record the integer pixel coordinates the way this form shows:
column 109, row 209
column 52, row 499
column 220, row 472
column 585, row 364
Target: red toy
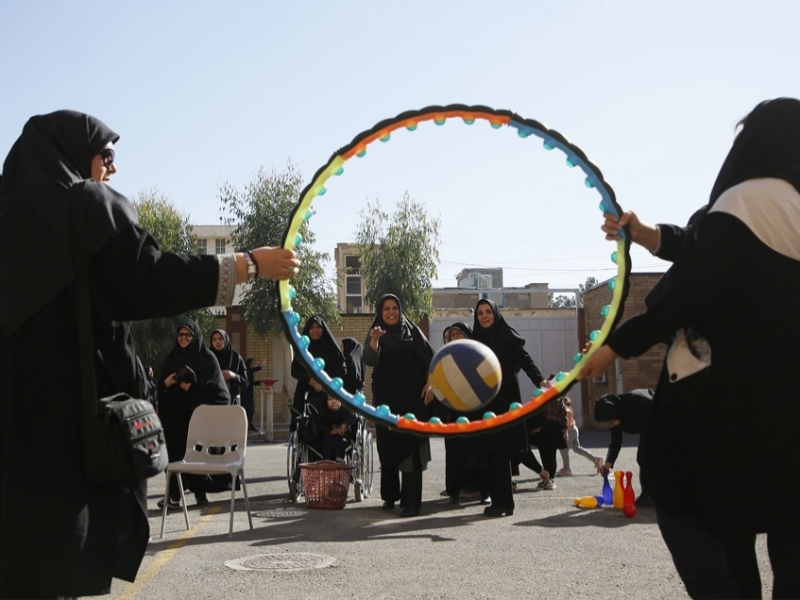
column 629, row 510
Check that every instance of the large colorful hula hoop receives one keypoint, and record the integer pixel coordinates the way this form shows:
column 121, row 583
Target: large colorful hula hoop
column 498, row 119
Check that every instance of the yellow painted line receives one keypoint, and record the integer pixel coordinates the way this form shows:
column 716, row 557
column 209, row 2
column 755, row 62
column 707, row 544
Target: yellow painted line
column 162, row 558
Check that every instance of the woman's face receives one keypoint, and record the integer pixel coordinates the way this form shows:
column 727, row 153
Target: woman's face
column 315, row 331
column 390, row 312
column 103, row 166
column 218, row 341
column 185, row 337
column 485, row 316
column 455, row 334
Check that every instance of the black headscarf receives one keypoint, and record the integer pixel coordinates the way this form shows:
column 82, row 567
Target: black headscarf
column 402, row 333
column 463, row 327
column 767, row 146
column 325, row 348
column 398, row 334
column 500, row 332
column 210, row 383
column 228, row 358
column 53, row 152
column 354, row 360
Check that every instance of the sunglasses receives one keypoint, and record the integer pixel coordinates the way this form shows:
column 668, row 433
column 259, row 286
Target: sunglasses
column 185, row 335
column 107, row 154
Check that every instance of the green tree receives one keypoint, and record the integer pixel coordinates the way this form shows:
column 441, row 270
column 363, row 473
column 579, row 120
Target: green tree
column 562, row 301
column 261, row 212
column 399, row 254
column 155, row 338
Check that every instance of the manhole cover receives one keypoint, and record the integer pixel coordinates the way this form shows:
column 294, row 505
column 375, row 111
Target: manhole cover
column 295, row 561
column 278, row 513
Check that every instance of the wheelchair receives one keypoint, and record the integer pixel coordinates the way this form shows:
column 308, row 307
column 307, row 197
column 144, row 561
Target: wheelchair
column 301, row 448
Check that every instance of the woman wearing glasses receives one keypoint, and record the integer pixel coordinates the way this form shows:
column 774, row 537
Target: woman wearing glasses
column 191, row 377
column 95, row 531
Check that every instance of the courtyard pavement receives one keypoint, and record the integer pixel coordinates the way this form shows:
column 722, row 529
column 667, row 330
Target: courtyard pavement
column 547, row 549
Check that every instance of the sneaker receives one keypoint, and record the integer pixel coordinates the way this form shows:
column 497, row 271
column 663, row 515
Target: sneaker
column 549, row 485
column 541, row 484
column 201, row 500
column 170, row 503
column 565, row 472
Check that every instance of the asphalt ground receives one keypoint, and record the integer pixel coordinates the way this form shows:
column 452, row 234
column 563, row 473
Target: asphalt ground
column 547, row 549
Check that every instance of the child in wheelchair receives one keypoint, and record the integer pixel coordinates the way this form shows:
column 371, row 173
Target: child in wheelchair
column 336, row 429
column 328, row 430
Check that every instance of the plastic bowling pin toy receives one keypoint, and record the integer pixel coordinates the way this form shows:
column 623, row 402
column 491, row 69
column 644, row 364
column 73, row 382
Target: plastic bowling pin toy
column 630, row 495
column 619, row 492
column 608, row 495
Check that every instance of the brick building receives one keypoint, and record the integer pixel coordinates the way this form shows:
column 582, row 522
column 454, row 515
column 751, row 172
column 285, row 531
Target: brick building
column 624, row 375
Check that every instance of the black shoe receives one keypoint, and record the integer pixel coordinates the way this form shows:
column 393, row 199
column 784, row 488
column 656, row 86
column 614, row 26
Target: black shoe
column 497, row 511
column 201, row 500
column 409, row 512
column 388, row 505
column 644, row 501
column 170, row 503
column 486, row 499
column 454, row 499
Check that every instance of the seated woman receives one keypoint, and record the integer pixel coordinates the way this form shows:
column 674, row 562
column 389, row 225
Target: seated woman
column 322, row 345
column 334, row 426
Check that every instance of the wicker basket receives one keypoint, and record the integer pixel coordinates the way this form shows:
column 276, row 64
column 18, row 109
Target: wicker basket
column 326, row 483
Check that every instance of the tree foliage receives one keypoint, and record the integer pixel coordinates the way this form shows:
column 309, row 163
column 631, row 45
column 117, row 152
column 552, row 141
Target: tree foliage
column 261, row 212
column 155, row 338
column 562, row 301
column 399, row 255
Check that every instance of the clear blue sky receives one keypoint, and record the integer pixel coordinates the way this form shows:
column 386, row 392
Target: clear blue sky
column 206, row 92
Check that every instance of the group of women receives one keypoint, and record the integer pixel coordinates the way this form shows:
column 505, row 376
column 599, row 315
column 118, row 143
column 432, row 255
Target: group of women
column 400, row 355
column 192, row 375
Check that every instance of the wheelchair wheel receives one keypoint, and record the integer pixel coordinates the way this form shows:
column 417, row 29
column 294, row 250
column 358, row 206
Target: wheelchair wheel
column 293, row 460
column 369, row 475
column 362, row 458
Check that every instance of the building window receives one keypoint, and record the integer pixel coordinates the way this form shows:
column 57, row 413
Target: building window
column 352, row 264
column 354, row 304
column 220, row 246
column 353, row 288
column 202, row 246
column 354, row 285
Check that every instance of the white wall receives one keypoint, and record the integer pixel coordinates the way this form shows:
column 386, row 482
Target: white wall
column 552, row 342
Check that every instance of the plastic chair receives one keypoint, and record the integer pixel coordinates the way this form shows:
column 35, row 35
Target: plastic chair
column 216, row 445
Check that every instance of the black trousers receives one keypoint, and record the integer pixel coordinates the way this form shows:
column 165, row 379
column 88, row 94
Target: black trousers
column 715, row 564
column 409, row 493
column 500, row 480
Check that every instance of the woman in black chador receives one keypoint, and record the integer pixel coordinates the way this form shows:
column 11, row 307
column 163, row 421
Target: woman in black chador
column 322, row 345
column 490, row 328
column 72, row 543
column 722, row 407
column 190, row 376
column 400, row 354
column 465, row 463
column 234, row 371
column 354, row 363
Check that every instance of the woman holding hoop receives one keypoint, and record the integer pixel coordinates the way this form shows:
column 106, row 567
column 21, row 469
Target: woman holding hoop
column 728, row 305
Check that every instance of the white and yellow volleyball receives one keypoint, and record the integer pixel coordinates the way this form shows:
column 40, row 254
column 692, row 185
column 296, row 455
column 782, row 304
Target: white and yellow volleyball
column 465, row 375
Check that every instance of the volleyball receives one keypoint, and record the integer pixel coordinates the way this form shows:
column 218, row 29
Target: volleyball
column 465, row 375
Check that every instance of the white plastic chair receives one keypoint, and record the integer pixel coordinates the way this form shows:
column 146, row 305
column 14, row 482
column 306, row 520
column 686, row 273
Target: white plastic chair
column 216, row 444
